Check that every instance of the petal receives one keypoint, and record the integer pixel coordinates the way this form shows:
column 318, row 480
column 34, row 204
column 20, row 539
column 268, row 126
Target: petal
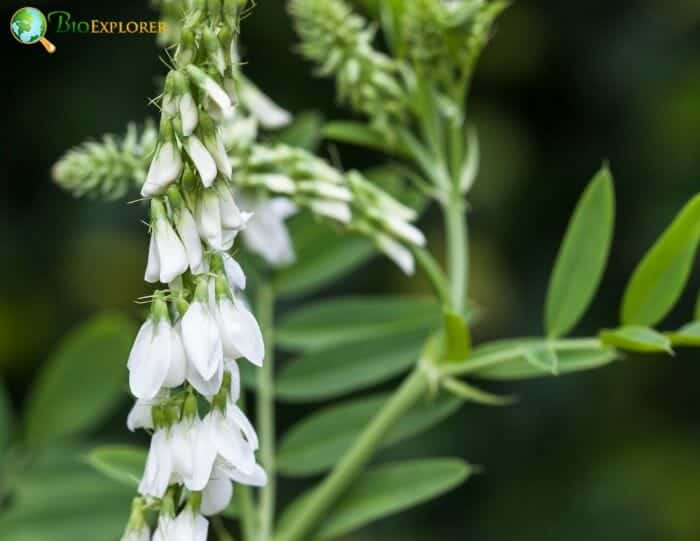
column 140, row 415
column 397, row 252
column 267, row 235
column 234, row 272
column 205, row 164
column 256, row 477
column 201, row 339
column 231, row 215
column 216, row 496
column 245, row 332
column 187, row 229
column 229, row 443
column 203, row 456
column 188, row 114
column 147, row 376
column 236, row 415
column 268, row 113
column 153, row 265
column 405, row 230
column 208, row 387
column 209, row 218
column 336, row 210
column 176, row 369
column 173, row 259
column 142, row 343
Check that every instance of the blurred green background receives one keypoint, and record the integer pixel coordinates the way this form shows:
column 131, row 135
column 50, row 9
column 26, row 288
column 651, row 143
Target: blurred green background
column 612, row 454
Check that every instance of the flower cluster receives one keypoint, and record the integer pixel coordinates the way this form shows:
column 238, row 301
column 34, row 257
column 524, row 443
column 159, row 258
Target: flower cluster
column 340, row 42
column 182, row 366
column 108, row 168
column 347, row 199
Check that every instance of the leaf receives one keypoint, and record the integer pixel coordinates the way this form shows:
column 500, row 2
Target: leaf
column 659, row 279
column 385, row 490
column 303, row 132
column 341, row 369
column 636, row 338
column 318, row 441
column 59, row 498
column 6, row 419
column 322, row 256
column 519, row 367
column 344, row 320
column 359, row 133
column 82, row 381
column 687, row 335
column 122, row 463
column 582, row 257
column 470, row 393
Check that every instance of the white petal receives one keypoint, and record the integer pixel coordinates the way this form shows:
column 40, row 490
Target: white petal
column 142, row 344
column 181, row 449
column 187, row 229
column 235, row 391
column 257, row 476
column 176, row 370
column 268, row 113
column 201, row 339
column 397, row 252
column 404, row 230
column 173, row 258
column 234, row 272
column 235, row 415
column 188, row 114
column 201, row 528
column 219, row 96
column 267, row 235
column 218, row 152
column 153, row 265
column 205, row 164
column 208, row 387
column 158, row 467
column 240, row 332
column 165, row 167
column 279, row 183
column 229, row 442
column 140, row 415
column 147, row 376
column 209, row 219
column 231, row 215
column 216, row 496
column 203, row 456
column 332, row 209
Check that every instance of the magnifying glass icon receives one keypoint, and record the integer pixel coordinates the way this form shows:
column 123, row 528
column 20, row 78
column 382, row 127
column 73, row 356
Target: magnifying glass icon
column 28, row 26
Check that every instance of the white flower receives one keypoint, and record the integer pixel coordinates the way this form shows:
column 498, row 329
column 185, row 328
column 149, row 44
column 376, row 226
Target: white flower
column 217, row 94
column 189, row 526
column 239, row 131
column 142, row 533
column 187, row 229
column 218, row 217
column 234, row 272
column 156, row 360
column 215, row 146
column 397, row 252
column 167, row 258
column 239, row 331
column 200, row 336
column 268, row 113
column 278, row 183
column 165, row 168
column 188, row 114
column 203, row 161
column 141, row 415
column 336, row 210
column 233, row 438
column 159, row 466
column 404, row 230
column 206, row 387
column 217, row 494
column 266, row 233
column 231, row 216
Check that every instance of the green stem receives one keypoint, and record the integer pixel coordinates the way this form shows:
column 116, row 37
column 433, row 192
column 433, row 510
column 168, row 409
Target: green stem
column 351, row 465
column 266, row 409
column 434, row 273
column 457, row 253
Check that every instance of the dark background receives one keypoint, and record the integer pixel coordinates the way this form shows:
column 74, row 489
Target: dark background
column 612, row 454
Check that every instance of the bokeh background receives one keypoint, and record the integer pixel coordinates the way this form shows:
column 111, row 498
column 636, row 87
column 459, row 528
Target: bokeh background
column 611, row 454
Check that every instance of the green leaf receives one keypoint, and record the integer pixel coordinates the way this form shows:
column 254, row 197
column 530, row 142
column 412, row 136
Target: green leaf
column 322, row 256
column 304, row 131
column 582, row 257
column 6, row 419
column 318, row 441
column 659, row 279
column 383, row 491
column 359, row 133
column 521, row 366
column 122, row 463
column 687, row 335
column 351, row 319
column 636, row 338
column 82, row 382
column 59, row 498
column 470, row 393
column 341, row 369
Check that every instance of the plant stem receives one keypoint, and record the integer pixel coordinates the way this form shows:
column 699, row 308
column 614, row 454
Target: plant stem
column 336, row 483
column 266, row 409
column 457, row 253
column 245, row 500
column 434, row 273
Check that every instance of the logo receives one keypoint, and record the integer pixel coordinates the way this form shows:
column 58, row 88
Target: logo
column 28, row 25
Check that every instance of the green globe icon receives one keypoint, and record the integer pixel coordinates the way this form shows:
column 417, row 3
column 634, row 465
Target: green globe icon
column 28, row 26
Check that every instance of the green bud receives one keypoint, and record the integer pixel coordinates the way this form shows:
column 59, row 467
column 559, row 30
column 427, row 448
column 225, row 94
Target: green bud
column 201, row 293
column 189, row 408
